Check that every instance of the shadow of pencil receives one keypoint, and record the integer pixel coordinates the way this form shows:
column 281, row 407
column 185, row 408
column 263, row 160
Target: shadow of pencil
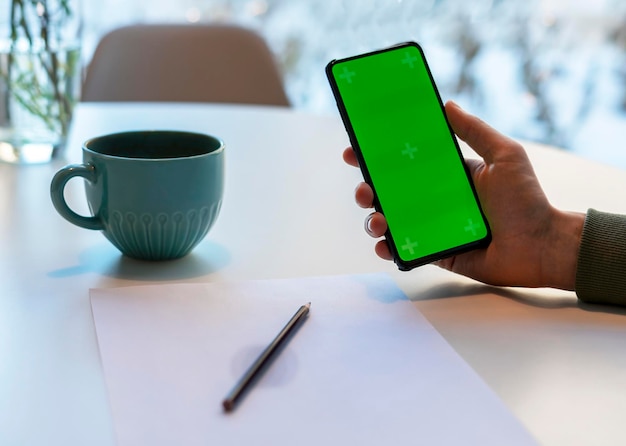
column 260, row 369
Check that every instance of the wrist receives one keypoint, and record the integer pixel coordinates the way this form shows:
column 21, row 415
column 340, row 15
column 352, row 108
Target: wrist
column 561, row 247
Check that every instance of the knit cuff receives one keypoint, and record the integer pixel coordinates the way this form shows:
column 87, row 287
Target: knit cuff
column 601, row 270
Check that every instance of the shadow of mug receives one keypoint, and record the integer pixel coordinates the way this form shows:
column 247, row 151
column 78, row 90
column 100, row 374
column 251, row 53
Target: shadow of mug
column 153, row 194
column 104, row 260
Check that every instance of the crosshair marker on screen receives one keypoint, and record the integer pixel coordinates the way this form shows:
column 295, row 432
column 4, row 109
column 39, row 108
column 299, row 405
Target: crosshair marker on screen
column 409, row 245
column 347, row 75
column 471, row 226
column 409, row 150
column 409, row 60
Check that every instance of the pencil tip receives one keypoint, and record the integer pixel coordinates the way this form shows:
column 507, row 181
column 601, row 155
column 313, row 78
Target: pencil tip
column 228, row 405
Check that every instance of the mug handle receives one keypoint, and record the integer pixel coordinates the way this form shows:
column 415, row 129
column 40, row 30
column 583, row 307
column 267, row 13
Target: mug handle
column 57, row 187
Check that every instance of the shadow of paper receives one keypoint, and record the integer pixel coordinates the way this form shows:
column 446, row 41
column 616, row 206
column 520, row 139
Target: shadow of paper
column 452, row 290
column 104, row 259
column 523, row 296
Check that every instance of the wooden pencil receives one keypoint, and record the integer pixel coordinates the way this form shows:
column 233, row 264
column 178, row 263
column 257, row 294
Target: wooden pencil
column 263, row 360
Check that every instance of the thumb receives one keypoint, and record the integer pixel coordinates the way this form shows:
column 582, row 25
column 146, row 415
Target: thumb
column 476, row 133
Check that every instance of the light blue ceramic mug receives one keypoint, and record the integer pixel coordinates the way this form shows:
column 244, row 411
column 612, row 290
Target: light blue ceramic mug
column 153, row 194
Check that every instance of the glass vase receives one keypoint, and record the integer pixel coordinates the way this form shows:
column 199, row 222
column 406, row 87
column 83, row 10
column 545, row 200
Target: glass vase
column 40, row 77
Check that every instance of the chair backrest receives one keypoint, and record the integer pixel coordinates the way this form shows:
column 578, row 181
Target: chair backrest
column 184, row 63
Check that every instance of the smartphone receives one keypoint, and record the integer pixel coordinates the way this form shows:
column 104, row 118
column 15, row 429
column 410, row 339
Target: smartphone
column 408, row 154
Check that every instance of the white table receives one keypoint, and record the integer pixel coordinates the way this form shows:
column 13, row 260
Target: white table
column 288, row 212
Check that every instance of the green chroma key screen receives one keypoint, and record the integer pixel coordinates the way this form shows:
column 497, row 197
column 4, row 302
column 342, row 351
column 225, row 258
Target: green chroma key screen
column 394, row 116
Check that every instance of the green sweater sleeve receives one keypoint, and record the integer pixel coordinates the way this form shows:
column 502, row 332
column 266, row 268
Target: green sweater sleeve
column 601, row 270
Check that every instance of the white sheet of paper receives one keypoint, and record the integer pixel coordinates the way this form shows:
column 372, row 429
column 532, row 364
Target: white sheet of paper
column 365, row 368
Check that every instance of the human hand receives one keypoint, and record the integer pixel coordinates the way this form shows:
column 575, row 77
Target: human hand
column 533, row 244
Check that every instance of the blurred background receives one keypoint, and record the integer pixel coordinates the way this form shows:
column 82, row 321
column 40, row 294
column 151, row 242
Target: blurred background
column 549, row 71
